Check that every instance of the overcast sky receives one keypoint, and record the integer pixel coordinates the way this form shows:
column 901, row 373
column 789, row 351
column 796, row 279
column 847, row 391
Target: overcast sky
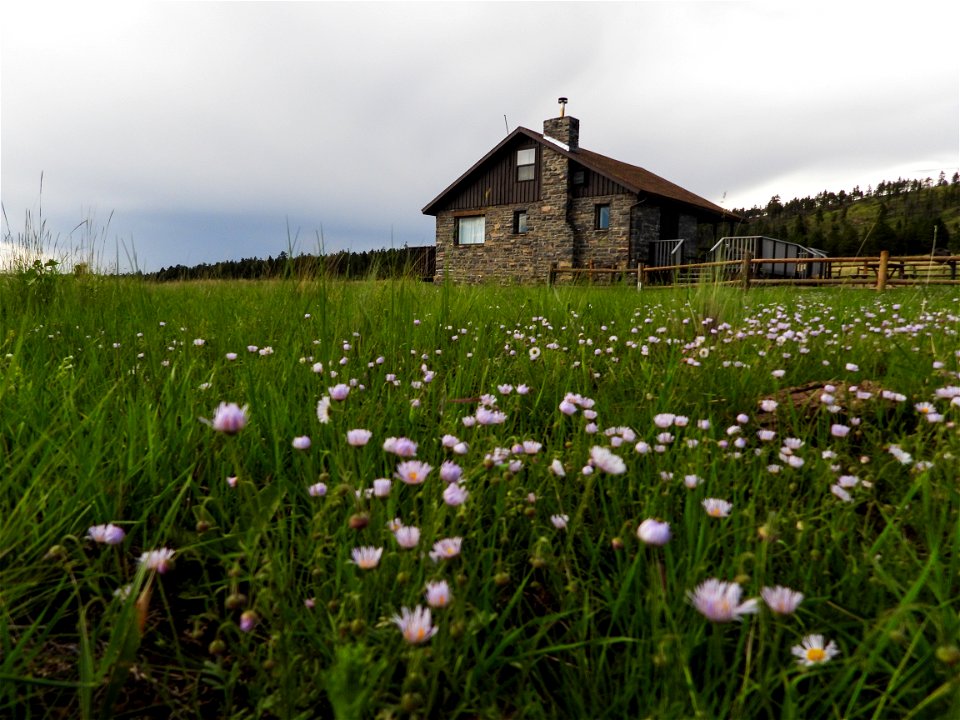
column 202, row 131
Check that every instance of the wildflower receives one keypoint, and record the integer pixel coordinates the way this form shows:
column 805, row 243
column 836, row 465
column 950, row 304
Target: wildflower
column 231, row 356
column 381, row 487
column 848, row 481
column 720, row 601
column 523, row 389
column 366, row 558
column 317, row 490
column 717, row 508
column 567, row 407
column 232, row 481
column 455, row 495
column 692, row 481
column 358, row 437
column 851, row 367
column 449, row 441
column 228, row 418
column 811, row 650
column 605, row 460
column 446, row 549
column 401, row 447
column 301, row 442
column 781, row 600
column 407, row 536
column 248, row 620
column 531, row 447
column 416, row 626
column 839, row 431
column 560, row 521
column 323, row 410
column 663, row 420
column 534, row 353
column 642, row 448
column 768, row 406
column 766, row 435
column 450, row 472
column 438, row 594
column 109, row 534
column 486, row 416
column 841, row 493
column 264, row 351
column 199, row 342
column 413, row 472
column 703, row 424
column 556, row 467
column 339, row 392
column 654, row 532
column 160, row 560
column 778, row 373
column 904, row 457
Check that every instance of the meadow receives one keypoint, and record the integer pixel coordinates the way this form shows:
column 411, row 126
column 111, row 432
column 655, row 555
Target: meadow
column 391, row 499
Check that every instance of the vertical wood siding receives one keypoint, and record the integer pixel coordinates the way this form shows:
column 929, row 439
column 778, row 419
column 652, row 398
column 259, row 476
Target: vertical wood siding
column 497, row 184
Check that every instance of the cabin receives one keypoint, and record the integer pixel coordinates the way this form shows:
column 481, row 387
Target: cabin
column 539, row 200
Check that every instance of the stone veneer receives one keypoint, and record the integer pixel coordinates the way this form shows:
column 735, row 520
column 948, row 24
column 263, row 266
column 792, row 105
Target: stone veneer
column 560, row 228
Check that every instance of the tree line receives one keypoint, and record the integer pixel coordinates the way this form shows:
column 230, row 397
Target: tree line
column 418, row 262
column 906, row 217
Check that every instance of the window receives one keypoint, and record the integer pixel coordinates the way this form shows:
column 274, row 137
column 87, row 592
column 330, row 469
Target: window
column 579, row 177
column 526, row 160
column 602, row 217
column 520, row 222
column 470, row 230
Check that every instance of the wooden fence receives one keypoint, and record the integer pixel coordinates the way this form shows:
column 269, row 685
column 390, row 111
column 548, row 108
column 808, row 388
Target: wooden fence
column 880, row 272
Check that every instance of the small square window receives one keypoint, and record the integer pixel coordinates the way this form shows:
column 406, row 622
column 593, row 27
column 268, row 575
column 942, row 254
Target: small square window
column 579, row 177
column 602, row 217
column 520, row 222
column 526, row 163
column 471, row 230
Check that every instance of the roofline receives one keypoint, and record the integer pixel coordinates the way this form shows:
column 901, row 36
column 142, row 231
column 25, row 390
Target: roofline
column 709, row 207
column 519, row 131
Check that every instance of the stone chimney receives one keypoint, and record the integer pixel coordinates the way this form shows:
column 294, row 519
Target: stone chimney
column 565, row 129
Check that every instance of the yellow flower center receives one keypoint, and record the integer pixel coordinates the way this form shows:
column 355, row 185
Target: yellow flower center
column 413, row 475
column 816, row 654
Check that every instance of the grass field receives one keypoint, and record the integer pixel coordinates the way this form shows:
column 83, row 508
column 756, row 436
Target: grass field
column 164, row 553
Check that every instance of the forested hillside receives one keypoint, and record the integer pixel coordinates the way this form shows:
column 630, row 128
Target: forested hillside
column 904, row 216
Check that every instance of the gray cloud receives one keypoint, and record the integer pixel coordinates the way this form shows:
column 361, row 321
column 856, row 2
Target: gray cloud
column 204, row 127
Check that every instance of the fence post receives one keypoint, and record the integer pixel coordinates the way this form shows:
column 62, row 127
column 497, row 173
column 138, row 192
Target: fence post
column 882, row 270
column 550, row 273
column 745, row 269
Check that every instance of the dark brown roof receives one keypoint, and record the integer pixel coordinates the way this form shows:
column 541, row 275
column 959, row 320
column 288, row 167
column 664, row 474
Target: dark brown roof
column 633, row 178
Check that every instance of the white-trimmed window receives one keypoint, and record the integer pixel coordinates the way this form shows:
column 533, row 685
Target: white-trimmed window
column 471, row 230
column 526, row 163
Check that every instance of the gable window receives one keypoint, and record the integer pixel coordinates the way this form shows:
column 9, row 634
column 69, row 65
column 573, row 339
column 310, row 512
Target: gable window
column 526, row 162
column 519, row 222
column 602, row 217
column 470, row 230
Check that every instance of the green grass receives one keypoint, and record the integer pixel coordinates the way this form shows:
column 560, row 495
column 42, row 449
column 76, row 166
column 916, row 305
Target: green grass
column 102, row 388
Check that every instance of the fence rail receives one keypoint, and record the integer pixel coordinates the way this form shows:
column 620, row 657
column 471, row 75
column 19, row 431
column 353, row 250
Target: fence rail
column 880, row 272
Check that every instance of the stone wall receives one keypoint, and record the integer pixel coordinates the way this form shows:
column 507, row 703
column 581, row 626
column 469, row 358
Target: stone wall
column 506, row 256
column 603, row 248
